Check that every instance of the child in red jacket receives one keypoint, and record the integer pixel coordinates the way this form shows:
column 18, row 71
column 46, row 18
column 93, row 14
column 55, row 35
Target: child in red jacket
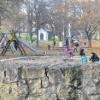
column 70, row 52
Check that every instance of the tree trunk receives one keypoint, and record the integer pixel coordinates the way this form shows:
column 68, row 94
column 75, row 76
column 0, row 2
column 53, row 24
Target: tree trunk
column 54, row 37
column 0, row 20
column 60, row 37
column 31, row 35
column 19, row 34
column 90, row 43
column 27, row 36
column 30, row 27
column 37, row 42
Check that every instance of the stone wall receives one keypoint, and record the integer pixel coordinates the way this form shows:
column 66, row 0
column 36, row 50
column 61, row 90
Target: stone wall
column 71, row 82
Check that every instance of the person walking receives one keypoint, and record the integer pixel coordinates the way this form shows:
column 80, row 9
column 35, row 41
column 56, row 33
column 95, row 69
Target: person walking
column 76, row 45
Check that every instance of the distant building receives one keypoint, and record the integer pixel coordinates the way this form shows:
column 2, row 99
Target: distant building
column 45, row 35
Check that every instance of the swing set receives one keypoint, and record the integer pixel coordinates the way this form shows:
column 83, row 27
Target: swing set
column 15, row 44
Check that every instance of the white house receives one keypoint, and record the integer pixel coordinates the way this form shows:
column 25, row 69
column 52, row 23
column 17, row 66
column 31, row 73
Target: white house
column 43, row 35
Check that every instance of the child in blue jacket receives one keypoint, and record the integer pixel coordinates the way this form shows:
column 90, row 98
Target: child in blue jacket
column 83, row 59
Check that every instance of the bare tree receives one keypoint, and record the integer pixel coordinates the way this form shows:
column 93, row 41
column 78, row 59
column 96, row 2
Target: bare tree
column 41, row 16
column 10, row 10
column 90, row 19
column 37, row 16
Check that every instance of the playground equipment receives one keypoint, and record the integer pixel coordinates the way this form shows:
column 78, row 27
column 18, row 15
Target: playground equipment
column 15, row 45
column 3, row 40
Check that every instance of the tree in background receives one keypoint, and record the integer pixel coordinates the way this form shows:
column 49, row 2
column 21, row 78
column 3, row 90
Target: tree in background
column 90, row 19
column 41, row 16
column 37, row 16
column 24, row 15
column 9, row 11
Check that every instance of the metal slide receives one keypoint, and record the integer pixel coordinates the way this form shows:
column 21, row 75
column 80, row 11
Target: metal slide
column 3, row 41
column 29, row 46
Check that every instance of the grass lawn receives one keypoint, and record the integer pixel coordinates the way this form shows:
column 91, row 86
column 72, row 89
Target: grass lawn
column 44, row 47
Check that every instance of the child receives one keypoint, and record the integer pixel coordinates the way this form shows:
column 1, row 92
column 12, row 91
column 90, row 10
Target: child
column 82, row 52
column 76, row 45
column 83, row 58
column 70, row 52
column 94, row 58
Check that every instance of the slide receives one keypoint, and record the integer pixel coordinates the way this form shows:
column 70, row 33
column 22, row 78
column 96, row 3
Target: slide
column 29, row 46
column 3, row 41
